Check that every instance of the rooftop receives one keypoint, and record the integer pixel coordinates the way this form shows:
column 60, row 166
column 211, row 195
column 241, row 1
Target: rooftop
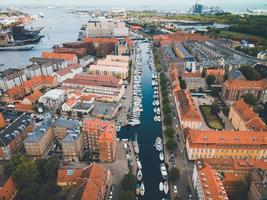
column 11, row 73
column 246, row 85
column 215, row 72
column 61, row 56
column 105, row 108
column 68, row 69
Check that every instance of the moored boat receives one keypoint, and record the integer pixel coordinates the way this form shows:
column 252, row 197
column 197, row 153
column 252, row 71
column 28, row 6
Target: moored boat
column 163, row 171
column 161, row 156
column 139, row 165
column 142, row 189
column 158, row 144
column 139, row 175
column 161, row 186
column 166, row 187
column 137, row 191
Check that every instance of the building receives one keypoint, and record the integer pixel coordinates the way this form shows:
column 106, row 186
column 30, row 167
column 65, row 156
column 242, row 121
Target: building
column 187, row 112
column 217, row 73
column 53, row 99
column 2, row 121
column 235, row 74
column 86, row 60
column 223, row 144
column 68, row 72
column 91, row 182
column 79, row 52
column 8, row 188
column 11, row 78
column 102, row 27
column 110, row 70
column 32, row 98
column 244, row 118
column 102, row 87
column 39, row 142
column 262, row 55
column 12, row 137
column 70, row 58
column 257, row 189
column 234, row 90
column 197, row 9
column 100, row 136
column 194, row 80
column 208, row 184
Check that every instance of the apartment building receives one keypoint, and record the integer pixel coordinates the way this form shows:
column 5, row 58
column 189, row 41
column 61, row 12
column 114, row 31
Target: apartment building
column 223, row 144
column 53, row 99
column 244, row 118
column 68, row 72
column 103, row 87
column 234, row 90
column 100, row 136
column 217, row 73
column 70, row 58
column 12, row 137
column 194, row 80
column 10, row 78
column 257, row 189
column 187, row 112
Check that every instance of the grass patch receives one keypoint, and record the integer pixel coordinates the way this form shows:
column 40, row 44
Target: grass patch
column 212, row 120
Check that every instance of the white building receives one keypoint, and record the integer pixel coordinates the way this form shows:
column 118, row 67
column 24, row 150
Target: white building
column 53, row 99
column 104, row 27
column 68, row 72
column 11, row 77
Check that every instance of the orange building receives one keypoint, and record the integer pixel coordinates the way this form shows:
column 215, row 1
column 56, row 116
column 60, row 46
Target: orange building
column 100, row 136
column 187, row 111
column 8, row 189
column 224, row 144
column 91, row 182
column 234, row 90
column 244, row 118
column 218, row 73
column 2, row 121
column 69, row 57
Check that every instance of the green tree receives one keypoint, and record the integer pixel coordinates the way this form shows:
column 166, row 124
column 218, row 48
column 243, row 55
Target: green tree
column 183, row 84
column 58, row 111
column 13, row 163
column 169, row 132
column 210, row 80
column 167, row 119
column 250, row 99
column 250, row 73
column 177, row 198
column 174, row 174
column 129, row 195
column 171, row 144
column 128, row 182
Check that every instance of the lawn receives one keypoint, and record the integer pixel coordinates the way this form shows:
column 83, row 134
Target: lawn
column 212, row 120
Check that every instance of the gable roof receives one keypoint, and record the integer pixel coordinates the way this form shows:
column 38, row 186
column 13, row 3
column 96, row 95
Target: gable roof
column 62, row 56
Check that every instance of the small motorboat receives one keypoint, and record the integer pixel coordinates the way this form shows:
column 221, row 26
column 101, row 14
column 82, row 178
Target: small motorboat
column 142, row 189
column 155, row 118
column 137, row 191
column 166, row 187
column 136, row 147
column 139, row 175
column 161, row 186
column 139, row 165
column 161, row 156
column 158, row 144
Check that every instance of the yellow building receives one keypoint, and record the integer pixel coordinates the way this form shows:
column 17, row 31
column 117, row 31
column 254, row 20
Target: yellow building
column 244, row 118
column 225, row 144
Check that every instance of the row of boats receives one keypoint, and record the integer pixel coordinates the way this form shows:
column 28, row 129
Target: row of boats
column 137, row 107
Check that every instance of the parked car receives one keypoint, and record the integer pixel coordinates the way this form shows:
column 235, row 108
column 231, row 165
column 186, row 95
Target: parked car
column 175, row 189
column 189, row 192
column 178, row 137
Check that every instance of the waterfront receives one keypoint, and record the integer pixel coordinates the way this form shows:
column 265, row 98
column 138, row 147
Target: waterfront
column 147, row 132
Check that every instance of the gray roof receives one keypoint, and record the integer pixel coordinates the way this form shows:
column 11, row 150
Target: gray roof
column 11, row 73
column 67, row 123
column 39, row 132
column 11, row 132
column 72, row 136
column 82, row 106
column 235, row 73
column 46, row 61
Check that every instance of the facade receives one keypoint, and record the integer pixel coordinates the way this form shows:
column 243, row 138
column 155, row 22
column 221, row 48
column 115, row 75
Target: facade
column 235, row 89
column 102, row 87
column 257, row 189
column 100, row 136
column 68, row 57
column 39, row 142
column 53, row 99
column 11, row 138
column 119, row 72
column 218, row 73
column 194, row 81
column 224, row 144
column 86, row 60
column 244, row 118
column 187, row 112
column 11, row 78
column 91, row 182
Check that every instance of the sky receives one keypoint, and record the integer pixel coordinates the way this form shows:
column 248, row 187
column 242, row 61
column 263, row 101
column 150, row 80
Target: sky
column 148, row 3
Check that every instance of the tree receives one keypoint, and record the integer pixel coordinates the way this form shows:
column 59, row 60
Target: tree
column 171, row 144
column 250, row 99
column 129, row 195
column 13, row 163
column 169, row 132
column 250, row 73
column 128, row 182
column 167, row 119
column 69, row 113
column 58, row 111
column 215, row 107
column 210, row 80
column 183, row 84
column 177, row 198
column 174, row 174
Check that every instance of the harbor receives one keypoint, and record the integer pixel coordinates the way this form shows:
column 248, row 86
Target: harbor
column 151, row 175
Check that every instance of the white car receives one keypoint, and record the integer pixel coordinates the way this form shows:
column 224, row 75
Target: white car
column 175, row 189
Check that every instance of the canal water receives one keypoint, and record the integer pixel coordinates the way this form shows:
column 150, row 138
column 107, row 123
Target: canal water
column 147, row 132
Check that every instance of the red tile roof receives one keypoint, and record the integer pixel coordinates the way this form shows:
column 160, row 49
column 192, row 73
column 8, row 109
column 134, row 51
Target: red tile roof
column 246, row 85
column 79, row 52
column 101, row 40
column 136, row 27
column 8, row 189
column 68, row 69
column 62, row 56
column 196, row 74
column 214, row 72
column 34, row 96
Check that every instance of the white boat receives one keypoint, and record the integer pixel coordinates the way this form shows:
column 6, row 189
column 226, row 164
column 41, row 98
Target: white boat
column 135, row 147
column 118, row 128
column 161, row 186
column 137, row 191
column 166, row 187
column 139, row 165
column 142, row 189
column 155, row 110
column 163, row 171
column 161, row 156
column 158, row 144
column 157, row 102
column 155, row 118
column 139, row 175
column 159, row 119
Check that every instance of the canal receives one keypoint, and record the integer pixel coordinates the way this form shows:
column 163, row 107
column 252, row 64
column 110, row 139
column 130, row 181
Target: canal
column 147, row 132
